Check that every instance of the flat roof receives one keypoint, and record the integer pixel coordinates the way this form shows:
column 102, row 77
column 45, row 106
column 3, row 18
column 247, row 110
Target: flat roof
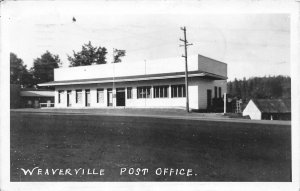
column 273, row 105
column 145, row 77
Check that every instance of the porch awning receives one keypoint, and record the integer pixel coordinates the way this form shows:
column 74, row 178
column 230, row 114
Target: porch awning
column 37, row 93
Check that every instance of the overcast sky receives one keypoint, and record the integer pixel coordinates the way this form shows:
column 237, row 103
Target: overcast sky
column 251, row 44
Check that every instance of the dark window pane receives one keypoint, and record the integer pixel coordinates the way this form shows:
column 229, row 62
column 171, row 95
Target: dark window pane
column 216, row 91
column 161, row 93
column 175, row 91
column 129, row 93
column 180, row 88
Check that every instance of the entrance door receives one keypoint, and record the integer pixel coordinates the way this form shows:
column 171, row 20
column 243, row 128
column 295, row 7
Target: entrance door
column 120, row 96
column 109, row 97
column 87, row 98
column 69, row 98
column 208, row 99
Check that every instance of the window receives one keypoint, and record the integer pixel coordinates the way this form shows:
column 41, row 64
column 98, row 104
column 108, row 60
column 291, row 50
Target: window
column 78, row 96
column 178, row 90
column 69, row 98
column 216, row 91
column 87, row 98
column 100, row 95
column 60, row 94
column 220, row 92
column 160, row 91
column 129, row 92
column 144, row 92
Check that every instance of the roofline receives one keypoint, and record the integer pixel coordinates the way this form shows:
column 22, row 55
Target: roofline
column 212, row 59
column 255, row 105
column 99, row 81
column 37, row 95
column 253, row 100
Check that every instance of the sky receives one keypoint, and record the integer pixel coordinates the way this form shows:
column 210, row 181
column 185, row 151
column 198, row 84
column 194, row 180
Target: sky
column 251, row 44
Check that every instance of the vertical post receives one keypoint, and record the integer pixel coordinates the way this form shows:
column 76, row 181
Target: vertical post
column 186, row 74
column 186, row 68
column 113, row 86
column 225, row 102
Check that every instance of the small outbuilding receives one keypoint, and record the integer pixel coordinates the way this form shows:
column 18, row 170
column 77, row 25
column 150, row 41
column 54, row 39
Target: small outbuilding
column 37, row 98
column 268, row 109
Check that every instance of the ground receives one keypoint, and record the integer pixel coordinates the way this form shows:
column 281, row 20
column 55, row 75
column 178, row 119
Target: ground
column 213, row 147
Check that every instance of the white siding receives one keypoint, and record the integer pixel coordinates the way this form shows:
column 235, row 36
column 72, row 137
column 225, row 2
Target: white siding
column 125, row 69
column 167, row 65
column 197, row 86
column 197, row 94
column 252, row 110
column 212, row 66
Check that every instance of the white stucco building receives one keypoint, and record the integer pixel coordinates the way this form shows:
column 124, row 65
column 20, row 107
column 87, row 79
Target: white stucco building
column 155, row 83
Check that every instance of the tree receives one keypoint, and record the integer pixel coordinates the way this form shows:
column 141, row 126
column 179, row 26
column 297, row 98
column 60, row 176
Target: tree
column 43, row 67
column 118, row 54
column 18, row 72
column 88, row 55
column 271, row 87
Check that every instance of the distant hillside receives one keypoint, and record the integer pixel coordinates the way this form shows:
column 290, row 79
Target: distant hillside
column 260, row 87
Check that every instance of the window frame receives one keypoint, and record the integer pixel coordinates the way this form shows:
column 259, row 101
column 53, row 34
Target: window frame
column 98, row 90
column 60, row 93
column 178, row 91
column 76, row 95
column 161, row 91
column 129, row 92
column 145, row 92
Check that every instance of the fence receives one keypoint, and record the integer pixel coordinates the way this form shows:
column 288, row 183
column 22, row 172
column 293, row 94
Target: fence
column 43, row 105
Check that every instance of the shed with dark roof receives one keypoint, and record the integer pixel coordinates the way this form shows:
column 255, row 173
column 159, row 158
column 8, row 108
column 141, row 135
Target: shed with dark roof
column 37, row 98
column 268, row 109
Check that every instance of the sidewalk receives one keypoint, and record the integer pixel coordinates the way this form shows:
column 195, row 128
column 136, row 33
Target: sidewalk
column 149, row 112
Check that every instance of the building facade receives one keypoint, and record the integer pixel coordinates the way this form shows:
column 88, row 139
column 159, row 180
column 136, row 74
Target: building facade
column 156, row 84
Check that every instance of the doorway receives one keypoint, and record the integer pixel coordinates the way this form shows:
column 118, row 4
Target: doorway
column 109, row 97
column 120, row 96
column 208, row 99
column 87, row 98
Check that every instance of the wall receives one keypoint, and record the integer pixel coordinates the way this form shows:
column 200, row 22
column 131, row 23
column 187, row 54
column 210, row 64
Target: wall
column 168, row 65
column 252, row 110
column 197, row 94
column 197, row 86
column 212, row 66
column 122, row 69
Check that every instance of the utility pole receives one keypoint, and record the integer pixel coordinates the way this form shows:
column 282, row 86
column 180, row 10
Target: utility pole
column 186, row 68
